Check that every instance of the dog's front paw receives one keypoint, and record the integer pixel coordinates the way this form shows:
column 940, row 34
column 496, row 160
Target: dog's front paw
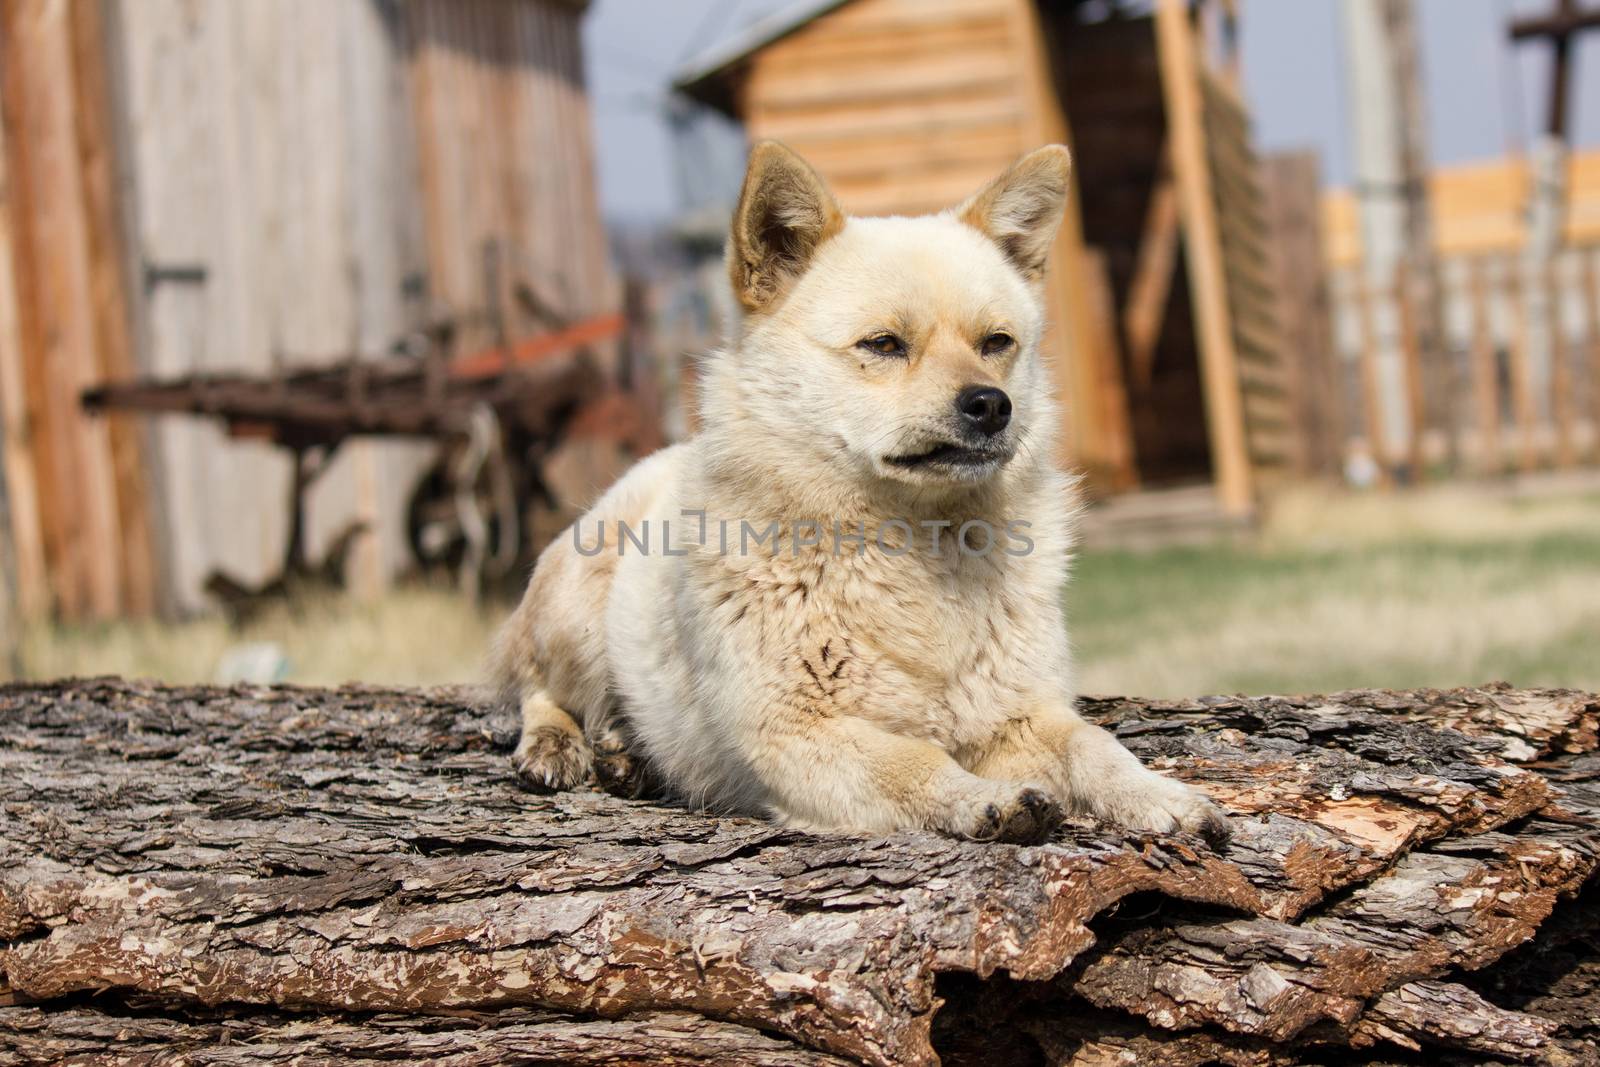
column 1017, row 814
column 550, row 759
column 1164, row 805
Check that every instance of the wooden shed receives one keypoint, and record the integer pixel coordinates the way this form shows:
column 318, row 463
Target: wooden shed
column 206, row 185
column 1167, row 352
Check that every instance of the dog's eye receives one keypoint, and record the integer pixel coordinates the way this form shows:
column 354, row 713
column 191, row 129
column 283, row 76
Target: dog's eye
column 996, row 343
column 884, row 344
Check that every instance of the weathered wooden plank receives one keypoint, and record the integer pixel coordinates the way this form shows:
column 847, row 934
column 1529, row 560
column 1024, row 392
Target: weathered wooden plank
column 77, row 489
column 16, row 420
column 113, row 357
column 1382, row 450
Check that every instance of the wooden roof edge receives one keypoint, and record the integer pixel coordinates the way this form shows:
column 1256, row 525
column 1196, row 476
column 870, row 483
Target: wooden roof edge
column 706, row 77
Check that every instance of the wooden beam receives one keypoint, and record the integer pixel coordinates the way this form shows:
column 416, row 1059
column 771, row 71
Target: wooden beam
column 1558, row 24
column 16, row 423
column 110, row 312
column 1202, row 244
column 78, row 494
column 1151, row 286
column 1411, row 355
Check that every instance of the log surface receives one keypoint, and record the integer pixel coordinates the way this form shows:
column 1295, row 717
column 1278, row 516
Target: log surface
column 300, row 875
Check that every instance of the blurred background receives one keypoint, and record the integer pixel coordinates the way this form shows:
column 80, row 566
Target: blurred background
column 318, row 318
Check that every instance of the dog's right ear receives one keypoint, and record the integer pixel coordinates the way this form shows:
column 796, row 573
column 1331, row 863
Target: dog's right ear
column 784, row 213
column 1021, row 210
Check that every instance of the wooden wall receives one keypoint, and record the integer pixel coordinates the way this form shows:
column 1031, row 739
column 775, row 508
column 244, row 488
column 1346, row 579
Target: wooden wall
column 199, row 185
column 905, row 106
column 504, row 153
column 271, row 223
column 76, row 485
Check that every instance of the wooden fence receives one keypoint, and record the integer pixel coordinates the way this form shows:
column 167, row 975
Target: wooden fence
column 1473, row 403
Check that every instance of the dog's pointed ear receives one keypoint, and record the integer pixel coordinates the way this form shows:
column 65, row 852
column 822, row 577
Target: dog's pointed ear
column 784, row 213
column 1021, row 210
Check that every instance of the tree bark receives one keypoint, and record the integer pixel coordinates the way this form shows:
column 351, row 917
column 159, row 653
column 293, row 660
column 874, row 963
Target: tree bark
column 297, row 875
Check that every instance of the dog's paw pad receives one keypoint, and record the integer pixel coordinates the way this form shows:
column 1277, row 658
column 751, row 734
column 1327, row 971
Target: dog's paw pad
column 1168, row 806
column 1032, row 819
column 1212, row 825
column 1024, row 818
column 550, row 759
column 989, row 824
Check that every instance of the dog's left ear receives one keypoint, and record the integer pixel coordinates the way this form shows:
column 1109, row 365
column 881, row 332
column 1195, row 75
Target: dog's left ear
column 784, row 213
column 1021, row 210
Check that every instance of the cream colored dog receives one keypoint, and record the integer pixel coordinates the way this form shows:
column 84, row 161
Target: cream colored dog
column 868, row 666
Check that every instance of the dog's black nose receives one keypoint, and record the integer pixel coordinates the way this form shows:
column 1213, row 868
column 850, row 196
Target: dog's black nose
column 984, row 408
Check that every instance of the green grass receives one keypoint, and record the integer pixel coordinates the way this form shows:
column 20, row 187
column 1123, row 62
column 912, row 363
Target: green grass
column 1413, row 611
column 1444, row 587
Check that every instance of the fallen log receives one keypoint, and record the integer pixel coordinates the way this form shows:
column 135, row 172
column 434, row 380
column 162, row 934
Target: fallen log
column 299, row 875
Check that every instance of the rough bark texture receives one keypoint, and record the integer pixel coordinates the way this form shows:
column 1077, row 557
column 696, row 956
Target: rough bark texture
column 291, row 875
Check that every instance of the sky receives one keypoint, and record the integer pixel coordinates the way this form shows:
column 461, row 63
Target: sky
column 1484, row 98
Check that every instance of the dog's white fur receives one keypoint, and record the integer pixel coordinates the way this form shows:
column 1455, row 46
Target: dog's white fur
column 829, row 689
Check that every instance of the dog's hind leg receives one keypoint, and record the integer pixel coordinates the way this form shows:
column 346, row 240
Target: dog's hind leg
column 552, row 753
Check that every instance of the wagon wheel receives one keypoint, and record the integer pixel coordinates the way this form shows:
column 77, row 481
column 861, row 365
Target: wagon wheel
column 465, row 514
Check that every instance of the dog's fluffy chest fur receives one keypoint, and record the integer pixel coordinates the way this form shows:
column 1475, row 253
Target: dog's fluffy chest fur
column 942, row 647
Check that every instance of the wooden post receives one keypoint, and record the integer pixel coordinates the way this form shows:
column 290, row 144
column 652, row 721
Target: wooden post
column 110, row 312
column 1485, row 369
column 1560, row 366
column 18, row 462
column 1590, row 285
column 1411, row 355
column 1390, row 140
column 1371, row 391
column 1545, row 359
column 1180, row 77
column 1522, row 401
column 56, row 298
